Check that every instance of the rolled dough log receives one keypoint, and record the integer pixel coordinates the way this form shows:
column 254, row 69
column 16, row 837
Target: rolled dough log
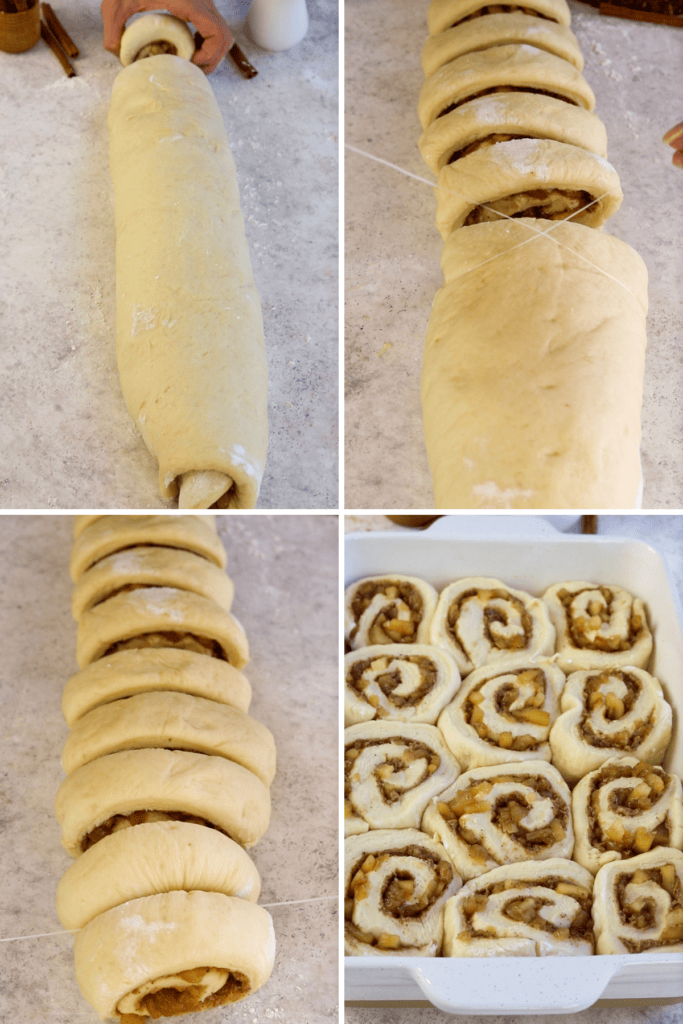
column 444, row 13
column 517, row 413
column 189, row 330
column 155, row 33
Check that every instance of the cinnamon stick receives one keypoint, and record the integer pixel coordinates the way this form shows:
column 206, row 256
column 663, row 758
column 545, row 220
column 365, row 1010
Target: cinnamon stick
column 52, row 41
column 589, row 524
column 58, row 30
column 21, row 5
column 247, row 69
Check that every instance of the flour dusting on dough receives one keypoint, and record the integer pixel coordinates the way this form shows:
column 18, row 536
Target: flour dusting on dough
column 490, row 491
column 143, row 320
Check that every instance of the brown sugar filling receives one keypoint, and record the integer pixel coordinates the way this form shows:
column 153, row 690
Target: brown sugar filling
column 168, row 638
column 120, row 821
column 504, row 88
column 503, row 9
column 599, row 613
column 626, row 802
column 155, row 48
column 413, row 751
column 171, row 1002
column 387, row 627
column 491, row 615
column 539, row 203
column 484, row 143
column 388, row 681
column 641, row 913
column 615, row 708
column 532, row 712
column 398, row 896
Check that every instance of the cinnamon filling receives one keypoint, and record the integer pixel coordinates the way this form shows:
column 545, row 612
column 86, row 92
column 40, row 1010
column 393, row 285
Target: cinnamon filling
column 390, row 792
column 641, row 912
column 389, row 627
column 540, row 203
column 615, row 708
column 505, row 88
column 168, row 638
column 155, row 48
column 507, row 694
column 120, row 821
column 598, row 613
column 389, row 681
column 489, row 140
column 171, row 1002
column 526, row 908
column 503, row 9
column 492, row 614
column 628, row 802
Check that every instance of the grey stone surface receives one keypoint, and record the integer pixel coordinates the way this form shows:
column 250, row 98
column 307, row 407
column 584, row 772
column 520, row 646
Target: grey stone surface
column 66, row 438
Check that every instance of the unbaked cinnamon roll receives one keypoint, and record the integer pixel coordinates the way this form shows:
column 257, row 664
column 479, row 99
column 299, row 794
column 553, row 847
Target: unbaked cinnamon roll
column 503, row 714
column 502, row 815
column 639, row 904
column 391, row 772
column 388, row 609
column 405, row 684
column 397, row 881
column 625, row 808
column 538, row 908
column 442, row 14
column 598, row 626
column 609, row 713
column 481, row 621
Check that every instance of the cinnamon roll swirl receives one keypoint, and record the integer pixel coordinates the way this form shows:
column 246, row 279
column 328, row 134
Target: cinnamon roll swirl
column 503, row 714
column 391, row 772
column 406, row 684
column 481, row 621
column 442, row 14
column 397, row 882
column 388, row 609
column 502, row 815
column 598, row 626
column 639, row 904
column 609, row 713
column 538, row 908
column 623, row 809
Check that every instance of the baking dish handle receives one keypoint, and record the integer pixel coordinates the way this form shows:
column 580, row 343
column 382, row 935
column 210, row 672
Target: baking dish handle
column 484, row 527
column 514, row 985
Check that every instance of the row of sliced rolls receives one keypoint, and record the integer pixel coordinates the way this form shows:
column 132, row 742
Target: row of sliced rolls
column 167, row 775
column 481, row 620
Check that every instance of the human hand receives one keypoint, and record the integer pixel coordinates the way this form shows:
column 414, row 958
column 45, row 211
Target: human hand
column 202, row 13
column 675, row 138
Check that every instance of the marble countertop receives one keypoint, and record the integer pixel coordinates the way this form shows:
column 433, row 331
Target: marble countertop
column 291, row 619
column 393, row 249
column 66, row 438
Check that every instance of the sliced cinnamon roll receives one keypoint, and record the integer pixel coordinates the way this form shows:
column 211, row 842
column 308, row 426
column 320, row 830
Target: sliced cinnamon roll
column 623, row 809
column 405, row 684
column 484, row 122
column 502, row 815
column 82, row 522
column 175, row 721
column 173, row 953
column 160, row 856
column 391, row 772
column 442, row 14
column 389, row 609
column 153, row 669
column 132, row 787
column 598, row 626
column 609, row 713
column 540, row 908
column 513, row 68
column 160, row 617
column 503, row 713
column 481, row 621
column 396, row 884
column 639, row 904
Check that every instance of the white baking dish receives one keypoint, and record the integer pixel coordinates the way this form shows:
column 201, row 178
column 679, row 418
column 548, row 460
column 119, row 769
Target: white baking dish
column 526, row 552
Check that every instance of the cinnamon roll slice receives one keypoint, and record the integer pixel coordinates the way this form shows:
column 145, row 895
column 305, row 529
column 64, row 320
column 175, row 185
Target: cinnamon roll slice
column 481, row 621
column 502, row 815
column 540, row 908
column 598, row 626
column 623, row 809
column 639, row 904
column 82, row 522
column 389, row 609
column 173, row 953
column 503, row 713
column 391, row 772
column 404, row 684
column 396, row 884
column 442, row 14
column 609, row 713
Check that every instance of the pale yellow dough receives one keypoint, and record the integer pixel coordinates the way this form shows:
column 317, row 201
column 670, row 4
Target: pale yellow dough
column 144, row 32
column 190, row 343
column 82, row 522
column 443, row 13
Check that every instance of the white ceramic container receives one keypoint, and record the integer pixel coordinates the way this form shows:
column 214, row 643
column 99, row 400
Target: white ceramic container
column 527, row 553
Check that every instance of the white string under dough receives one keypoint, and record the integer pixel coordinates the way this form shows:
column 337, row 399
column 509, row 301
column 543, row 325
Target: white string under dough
column 532, row 227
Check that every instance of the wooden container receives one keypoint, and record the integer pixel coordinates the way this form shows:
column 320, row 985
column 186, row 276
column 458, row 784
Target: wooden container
column 21, row 30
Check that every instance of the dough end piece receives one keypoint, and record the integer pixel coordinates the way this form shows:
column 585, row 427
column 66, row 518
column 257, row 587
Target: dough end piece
column 204, row 489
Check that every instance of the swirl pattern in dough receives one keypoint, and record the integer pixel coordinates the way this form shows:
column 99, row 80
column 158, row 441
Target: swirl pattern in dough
column 397, row 881
column 391, row 772
column 639, row 904
column 625, row 808
column 598, row 626
column 442, row 14
column 609, row 713
column 539, row 908
column 388, row 609
column 406, row 684
column 502, row 815
column 481, row 621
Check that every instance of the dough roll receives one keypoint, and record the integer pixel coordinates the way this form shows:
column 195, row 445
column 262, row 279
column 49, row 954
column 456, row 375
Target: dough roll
column 388, row 609
column 404, row 684
column 396, row 884
column 159, row 856
column 151, row 669
column 173, row 953
column 442, row 14
column 134, row 786
column 190, row 343
column 82, row 522
column 639, row 904
column 175, row 721
column 517, row 411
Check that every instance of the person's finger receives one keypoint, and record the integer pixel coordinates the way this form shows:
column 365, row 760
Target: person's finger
column 115, row 14
column 212, row 50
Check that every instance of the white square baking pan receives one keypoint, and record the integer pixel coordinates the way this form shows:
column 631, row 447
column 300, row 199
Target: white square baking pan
column 528, row 553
